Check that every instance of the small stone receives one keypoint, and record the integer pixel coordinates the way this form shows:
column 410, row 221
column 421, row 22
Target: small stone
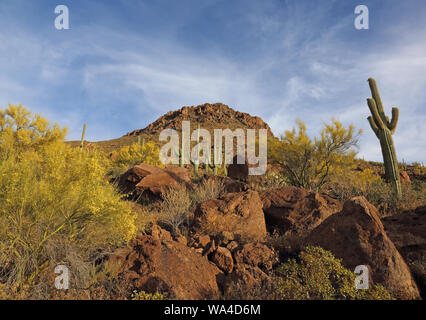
column 222, row 257
column 203, row 241
column 160, row 234
column 181, row 239
column 232, row 246
column 209, row 248
column 224, row 237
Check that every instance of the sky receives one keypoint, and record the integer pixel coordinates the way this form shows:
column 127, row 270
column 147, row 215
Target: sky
column 124, row 63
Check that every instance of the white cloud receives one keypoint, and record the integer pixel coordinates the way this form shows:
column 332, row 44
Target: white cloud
column 305, row 72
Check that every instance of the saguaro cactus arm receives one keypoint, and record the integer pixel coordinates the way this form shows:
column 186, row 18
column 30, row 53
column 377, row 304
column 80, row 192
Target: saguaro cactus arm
column 376, row 108
column 394, row 121
column 373, row 126
column 376, row 96
column 374, row 111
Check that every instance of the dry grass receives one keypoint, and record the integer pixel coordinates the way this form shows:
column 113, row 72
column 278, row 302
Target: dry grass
column 174, row 209
column 206, row 190
column 380, row 194
column 88, row 279
column 177, row 205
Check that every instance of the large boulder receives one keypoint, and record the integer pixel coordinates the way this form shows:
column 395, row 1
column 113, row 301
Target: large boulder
column 295, row 210
column 256, row 254
column 407, row 231
column 153, row 181
column 357, row 236
column 240, row 213
column 154, row 265
column 244, row 282
column 238, row 169
column 404, row 177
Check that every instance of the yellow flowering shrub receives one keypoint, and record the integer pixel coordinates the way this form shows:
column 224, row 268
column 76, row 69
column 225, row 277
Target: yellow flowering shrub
column 51, row 192
column 135, row 154
column 348, row 182
column 142, row 295
column 21, row 131
column 308, row 163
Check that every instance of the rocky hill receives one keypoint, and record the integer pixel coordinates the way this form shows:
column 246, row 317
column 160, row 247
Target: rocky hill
column 208, row 116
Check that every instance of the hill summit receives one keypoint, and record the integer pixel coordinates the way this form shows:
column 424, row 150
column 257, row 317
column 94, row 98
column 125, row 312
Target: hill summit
column 208, row 116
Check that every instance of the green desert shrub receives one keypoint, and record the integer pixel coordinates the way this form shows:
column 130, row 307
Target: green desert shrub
column 318, row 275
column 52, row 196
column 142, row 295
column 267, row 181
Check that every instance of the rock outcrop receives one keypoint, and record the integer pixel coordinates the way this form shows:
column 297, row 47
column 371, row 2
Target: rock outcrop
column 208, row 116
column 404, row 177
column 238, row 171
column 169, row 267
column 255, row 254
column 295, row 210
column 153, row 181
column 240, row 213
column 357, row 236
column 407, row 231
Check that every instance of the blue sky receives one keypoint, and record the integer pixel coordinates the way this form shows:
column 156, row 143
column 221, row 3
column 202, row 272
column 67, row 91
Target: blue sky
column 124, row 63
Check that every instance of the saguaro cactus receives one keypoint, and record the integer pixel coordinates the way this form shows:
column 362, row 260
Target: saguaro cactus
column 213, row 167
column 383, row 128
column 82, row 137
column 141, row 142
column 197, row 160
column 181, row 155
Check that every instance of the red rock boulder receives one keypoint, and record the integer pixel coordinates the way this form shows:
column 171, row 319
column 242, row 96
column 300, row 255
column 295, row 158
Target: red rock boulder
column 240, row 213
column 238, row 171
column 356, row 235
column 222, row 257
column 255, row 254
column 168, row 267
column 404, row 177
column 296, row 210
column 153, row 181
column 407, row 231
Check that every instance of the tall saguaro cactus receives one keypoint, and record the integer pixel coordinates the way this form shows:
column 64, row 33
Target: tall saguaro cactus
column 384, row 128
column 197, row 160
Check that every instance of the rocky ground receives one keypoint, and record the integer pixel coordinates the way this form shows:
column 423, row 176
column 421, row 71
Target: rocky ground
column 228, row 243
column 235, row 249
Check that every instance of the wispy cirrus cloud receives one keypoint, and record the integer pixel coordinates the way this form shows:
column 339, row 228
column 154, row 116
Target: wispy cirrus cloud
column 127, row 63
